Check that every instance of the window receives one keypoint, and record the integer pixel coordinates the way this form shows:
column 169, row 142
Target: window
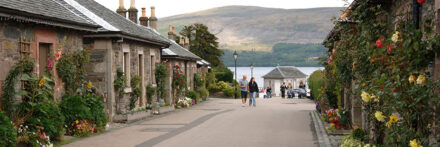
column 152, row 68
column 126, row 66
column 141, row 74
column 43, row 56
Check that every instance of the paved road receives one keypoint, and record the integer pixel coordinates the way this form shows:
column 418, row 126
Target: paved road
column 219, row 123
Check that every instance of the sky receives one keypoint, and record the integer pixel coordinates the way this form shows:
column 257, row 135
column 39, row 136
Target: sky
column 166, row 8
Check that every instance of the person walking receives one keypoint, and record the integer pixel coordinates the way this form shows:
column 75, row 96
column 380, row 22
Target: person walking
column 283, row 90
column 253, row 89
column 243, row 84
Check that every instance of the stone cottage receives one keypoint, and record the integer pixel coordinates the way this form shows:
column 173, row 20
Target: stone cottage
column 36, row 28
column 287, row 74
column 179, row 54
column 122, row 44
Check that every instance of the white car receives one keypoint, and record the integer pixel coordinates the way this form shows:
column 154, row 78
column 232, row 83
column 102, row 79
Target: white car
column 308, row 93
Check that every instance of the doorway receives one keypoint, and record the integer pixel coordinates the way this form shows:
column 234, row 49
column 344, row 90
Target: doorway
column 43, row 54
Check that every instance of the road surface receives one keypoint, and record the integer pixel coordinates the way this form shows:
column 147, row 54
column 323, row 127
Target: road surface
column 274, row 122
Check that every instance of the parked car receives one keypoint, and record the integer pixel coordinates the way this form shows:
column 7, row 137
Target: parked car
column 301, row 93
column 308, row 93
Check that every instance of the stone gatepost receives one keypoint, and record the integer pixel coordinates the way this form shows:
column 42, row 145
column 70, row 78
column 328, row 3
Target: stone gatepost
column 356, row 106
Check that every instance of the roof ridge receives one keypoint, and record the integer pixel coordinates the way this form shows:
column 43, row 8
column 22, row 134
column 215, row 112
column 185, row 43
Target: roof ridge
column 278, row 68
column 92, row 16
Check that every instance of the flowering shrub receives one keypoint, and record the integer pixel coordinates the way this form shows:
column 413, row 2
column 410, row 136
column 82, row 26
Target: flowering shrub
column 179, row 81
column 338, row 118
column 47, row 116
column 388, row 59
column 83, row 128
column 184, row 102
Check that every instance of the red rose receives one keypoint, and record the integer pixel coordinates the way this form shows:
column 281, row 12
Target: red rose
column 389, row 48
column 395, row 90
column 181, row 81
column 379, row 43
column 421, row 1
column 381, row 86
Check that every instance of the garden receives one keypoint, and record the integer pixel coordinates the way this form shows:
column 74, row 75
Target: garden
column 380, row 59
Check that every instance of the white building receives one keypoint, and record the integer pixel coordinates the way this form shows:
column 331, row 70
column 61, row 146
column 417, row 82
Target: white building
column 287, row 74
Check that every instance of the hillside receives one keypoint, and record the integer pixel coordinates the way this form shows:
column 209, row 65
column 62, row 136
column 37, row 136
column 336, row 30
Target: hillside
column 247, row 27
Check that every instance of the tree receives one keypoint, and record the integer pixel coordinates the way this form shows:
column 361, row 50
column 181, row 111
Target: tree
column 203, row 43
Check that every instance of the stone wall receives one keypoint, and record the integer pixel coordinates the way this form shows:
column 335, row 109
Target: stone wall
column 10, row 51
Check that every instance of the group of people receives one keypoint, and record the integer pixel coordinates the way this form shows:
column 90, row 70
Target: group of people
column 284, row 88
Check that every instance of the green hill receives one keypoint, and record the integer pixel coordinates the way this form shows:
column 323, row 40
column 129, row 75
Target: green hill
column 284, row 54
column 247, row 27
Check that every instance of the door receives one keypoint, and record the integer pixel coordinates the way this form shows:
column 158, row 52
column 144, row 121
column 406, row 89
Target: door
column 277, row 88
column 44, row 50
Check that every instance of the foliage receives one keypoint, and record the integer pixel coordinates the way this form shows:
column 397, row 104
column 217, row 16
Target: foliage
column 203, row 92
column 137, row 91
column 338, row 118
column 203, row 43
column 74, row 108
column 229, row 92
column 151, row 91
column 316, row 81
column 37, row 89
column 8, row 133
column 385, row 52
column 25, row 65
column 71, row 68
column 358, row 133
column 161, row 74
column 47, row 115
column 98, row 115
column 192, row 94
column 210, row 78
column 199, row 81
column 284, row 54
column 349, row 141
column 223, row 74
column 119, row 84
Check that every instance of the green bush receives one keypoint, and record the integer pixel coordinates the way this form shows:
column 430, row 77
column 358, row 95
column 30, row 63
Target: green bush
column 316, row 81
column 203, row 92
column 229, row 92
column 74, row 108
column 214, row 88
column 192, row 94
column 137, row 91
column 88, row 107
column 223, row 74
column 151, row 91
column 223, row 85
column 98, row 115
column 8, row 135
column 48, row 116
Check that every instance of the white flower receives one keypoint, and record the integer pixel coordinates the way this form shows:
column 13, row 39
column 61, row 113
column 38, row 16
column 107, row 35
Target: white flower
column 395, row 37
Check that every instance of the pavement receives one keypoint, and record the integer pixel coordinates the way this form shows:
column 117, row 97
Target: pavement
column 274, row 122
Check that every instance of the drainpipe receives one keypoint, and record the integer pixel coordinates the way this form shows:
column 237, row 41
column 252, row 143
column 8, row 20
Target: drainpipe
column 416, row 13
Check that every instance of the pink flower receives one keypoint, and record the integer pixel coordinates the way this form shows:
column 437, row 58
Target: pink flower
column 389, row 48
column 50, row 65
column 38, row 127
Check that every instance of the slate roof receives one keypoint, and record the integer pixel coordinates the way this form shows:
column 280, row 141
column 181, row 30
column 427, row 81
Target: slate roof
column 113, row 22
column 175, row 50
column 50, row 12
column 281, row 72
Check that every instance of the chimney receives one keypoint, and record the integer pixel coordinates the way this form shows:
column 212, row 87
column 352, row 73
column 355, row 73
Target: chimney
column 153, row 18
column 121, row 10
column 171, row 33
column 143, row 19
column 132, row 12
column 181, row 41
column 186, row 45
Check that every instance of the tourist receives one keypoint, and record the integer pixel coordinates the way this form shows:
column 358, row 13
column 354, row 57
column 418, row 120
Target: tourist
column 269, row 92
column 243, row 84
column 302, row 85
column 253, row 89
column 283, row 90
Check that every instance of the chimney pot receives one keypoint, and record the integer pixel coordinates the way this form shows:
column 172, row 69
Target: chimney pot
column 153, row 18
column 121, row 10
column 132, row 12
column 143, row 19
column 181, row 41
column 170, row 33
